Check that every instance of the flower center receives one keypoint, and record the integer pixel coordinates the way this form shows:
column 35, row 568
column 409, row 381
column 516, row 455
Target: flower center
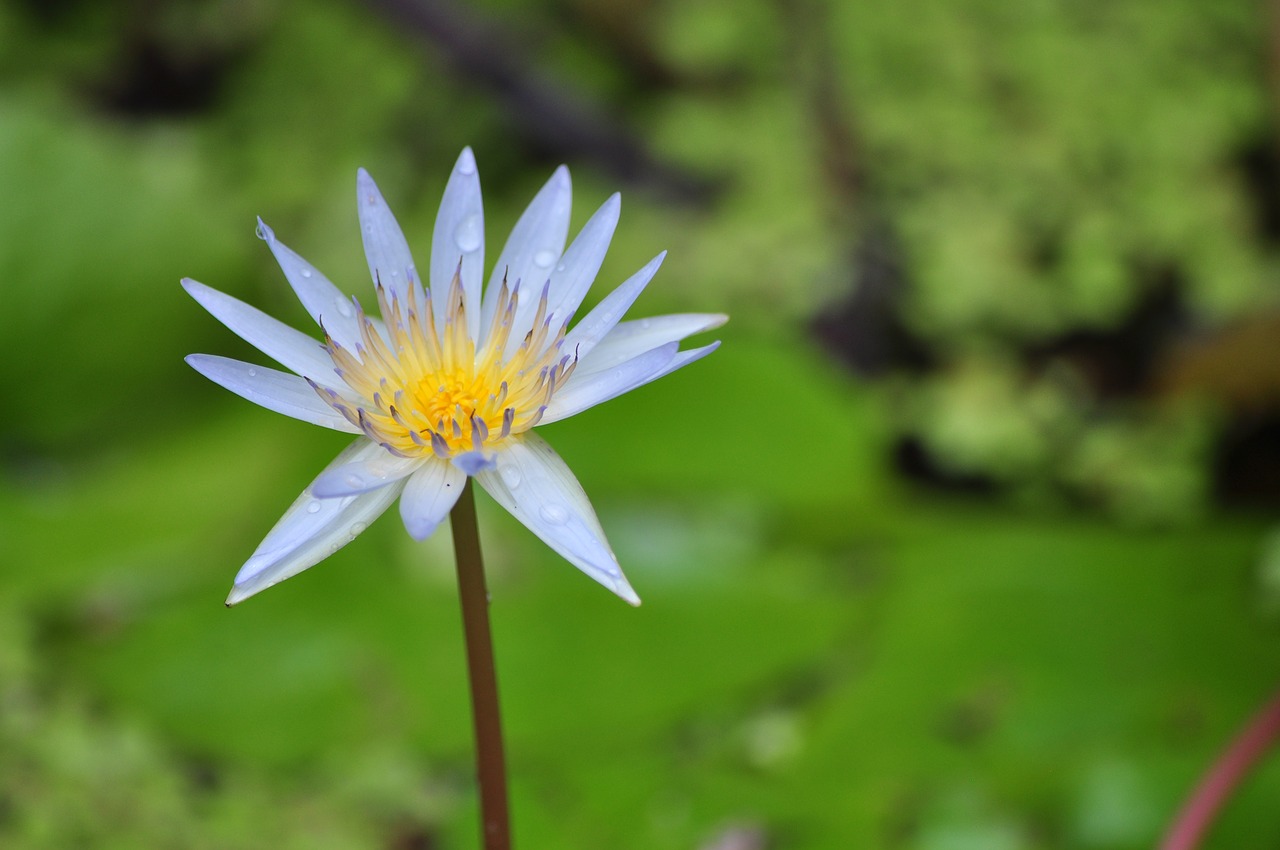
column 417, row 389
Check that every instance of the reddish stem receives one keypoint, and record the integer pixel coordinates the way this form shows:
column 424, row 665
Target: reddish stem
column 490, row 765
column 1198, row 813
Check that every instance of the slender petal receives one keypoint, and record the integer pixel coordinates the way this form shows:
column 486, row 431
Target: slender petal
column 576, row 271
column 535, row 244
column 390, row 262
column 429, row 495
column 312, row 529
column 582, row 392
column 290, row 348
column 630, row 339
column 331, row 309
column 274, row 390
column 376, row 471
column 682, row 359
column 605, row 316
column 459, row 237
column 537, row 487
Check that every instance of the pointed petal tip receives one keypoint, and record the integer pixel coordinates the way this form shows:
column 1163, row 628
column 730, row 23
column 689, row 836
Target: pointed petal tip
column 237, row 595
column 266, row 234
column 466, row 161
column 626, row 593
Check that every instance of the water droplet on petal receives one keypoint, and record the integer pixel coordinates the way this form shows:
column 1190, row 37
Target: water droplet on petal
column 644, row 324
column 468, row 236
column 510, row 475
column 354, row 480
column 313, row 507
column 357, row 527
column 560, row 267
column 306, row 272
column 544, row 258
column 345, row 308
column 253, row 373
column 554, row 514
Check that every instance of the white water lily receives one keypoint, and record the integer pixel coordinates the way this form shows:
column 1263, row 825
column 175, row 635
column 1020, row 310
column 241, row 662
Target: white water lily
column 453, row 377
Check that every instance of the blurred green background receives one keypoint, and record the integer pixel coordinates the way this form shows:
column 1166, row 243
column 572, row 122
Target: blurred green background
column 964, row 539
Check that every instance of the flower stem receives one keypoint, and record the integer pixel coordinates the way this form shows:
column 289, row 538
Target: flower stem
column 1216, row 787
column 490, row 763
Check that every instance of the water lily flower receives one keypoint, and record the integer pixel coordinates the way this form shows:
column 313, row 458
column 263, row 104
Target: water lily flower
column 451, row 379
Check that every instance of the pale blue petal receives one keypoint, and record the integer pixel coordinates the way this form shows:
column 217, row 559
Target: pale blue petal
column 289, row 347
column 385, row 248
column 534, row 246
column 583, row 391
column 635, row 337
column 313, row 528
column 274, row 390
column 378, row 470
column 429, row 495
column 537, row 487
column 325, row 302
column 459, row 236
column 573, row 275
column 593, row 327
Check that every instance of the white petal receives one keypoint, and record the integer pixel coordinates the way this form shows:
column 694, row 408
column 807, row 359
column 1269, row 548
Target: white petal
column 535, row 485
column 577, row 269
column 390, row 262
column 290, row 348
column 459, row 235
column 682, row 359
column 362, row 476
column 313, row 528
column 604, row 316
column 632, row 338
column 325, row 302
column 429, row 495
column 588, row 390
column 535, row 244
column 274, row 390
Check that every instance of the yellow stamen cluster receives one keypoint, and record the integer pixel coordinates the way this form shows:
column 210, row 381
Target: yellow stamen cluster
column 423, row 390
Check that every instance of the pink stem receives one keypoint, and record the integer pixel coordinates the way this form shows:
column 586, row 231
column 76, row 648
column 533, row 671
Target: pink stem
column 1216, row 787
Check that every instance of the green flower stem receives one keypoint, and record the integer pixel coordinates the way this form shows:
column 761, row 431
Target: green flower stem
column 1220, row 782
column 490, row 763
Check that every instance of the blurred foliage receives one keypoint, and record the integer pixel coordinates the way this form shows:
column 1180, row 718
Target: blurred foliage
column 1056, row 215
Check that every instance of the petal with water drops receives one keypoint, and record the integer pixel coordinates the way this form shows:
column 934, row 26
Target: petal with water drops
column 537, row 487
column 272, row 389
column 313, row 529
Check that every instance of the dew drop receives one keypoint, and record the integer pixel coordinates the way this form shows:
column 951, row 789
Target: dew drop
column 554, row 514
column 544, row 258
column 313, row 507
column 644, row 324
column 345, row 308
column 510, row 475
column 357, row 527
column 253, row 373
column 560, row 267
column 468, row 236
column 306, row 272
column 354, row 480
column 264, row 233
